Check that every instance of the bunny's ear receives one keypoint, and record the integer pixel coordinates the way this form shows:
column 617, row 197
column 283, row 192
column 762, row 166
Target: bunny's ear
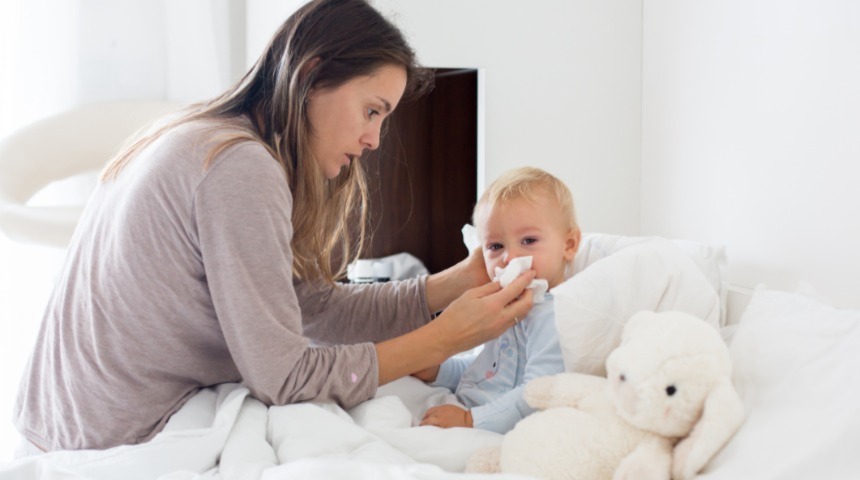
column 723, row 413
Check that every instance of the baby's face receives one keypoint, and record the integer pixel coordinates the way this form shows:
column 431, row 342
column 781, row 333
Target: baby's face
column 521, row 228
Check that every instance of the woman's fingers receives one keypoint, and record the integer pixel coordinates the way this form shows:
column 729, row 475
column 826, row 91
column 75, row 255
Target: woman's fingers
column 517, row 299
column 484, row 290
column 483, row 313
column 515, row 288
column 519, row 308
column 520, row 283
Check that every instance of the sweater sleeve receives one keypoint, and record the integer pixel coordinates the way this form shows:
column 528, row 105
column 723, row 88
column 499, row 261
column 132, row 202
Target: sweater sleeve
column 352, row 313
column 242, row 212
column 543, row 357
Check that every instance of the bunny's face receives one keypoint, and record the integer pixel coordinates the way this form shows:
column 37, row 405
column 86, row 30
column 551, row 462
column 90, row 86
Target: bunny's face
column 664, row 370
column 664, row 397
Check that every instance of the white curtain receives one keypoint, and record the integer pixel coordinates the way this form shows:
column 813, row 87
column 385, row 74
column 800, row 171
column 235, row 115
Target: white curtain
column 57, row 54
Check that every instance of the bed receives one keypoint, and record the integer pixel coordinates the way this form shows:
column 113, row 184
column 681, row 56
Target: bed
column 795, row 368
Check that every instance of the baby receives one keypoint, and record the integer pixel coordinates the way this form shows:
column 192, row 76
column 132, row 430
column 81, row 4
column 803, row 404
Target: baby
column 525, row 213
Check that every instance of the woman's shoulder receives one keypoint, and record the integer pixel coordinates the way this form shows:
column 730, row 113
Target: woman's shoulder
column 217, row 140
column 213, row 131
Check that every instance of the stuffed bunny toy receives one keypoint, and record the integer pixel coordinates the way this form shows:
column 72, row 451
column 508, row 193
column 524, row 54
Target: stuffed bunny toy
column 667, row 406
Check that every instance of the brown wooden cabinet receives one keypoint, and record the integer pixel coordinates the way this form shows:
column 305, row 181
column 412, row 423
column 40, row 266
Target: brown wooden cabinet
column 423, row 177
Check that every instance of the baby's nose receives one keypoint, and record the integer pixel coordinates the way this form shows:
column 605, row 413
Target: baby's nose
column 510, row 255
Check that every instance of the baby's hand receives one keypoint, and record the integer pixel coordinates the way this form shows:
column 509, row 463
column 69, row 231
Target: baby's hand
column 447, row 416
column 428, row 374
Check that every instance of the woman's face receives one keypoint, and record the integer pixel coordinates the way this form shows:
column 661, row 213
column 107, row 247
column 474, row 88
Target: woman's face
column 347, row 119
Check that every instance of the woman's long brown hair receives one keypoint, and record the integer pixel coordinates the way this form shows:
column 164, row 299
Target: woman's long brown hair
column 322, row 45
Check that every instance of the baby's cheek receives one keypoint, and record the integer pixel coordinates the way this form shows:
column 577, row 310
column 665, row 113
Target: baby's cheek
column 491, row 266
column 537, row 266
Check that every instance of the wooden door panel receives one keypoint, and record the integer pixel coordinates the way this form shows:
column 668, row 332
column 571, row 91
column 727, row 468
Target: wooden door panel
column 423, row 178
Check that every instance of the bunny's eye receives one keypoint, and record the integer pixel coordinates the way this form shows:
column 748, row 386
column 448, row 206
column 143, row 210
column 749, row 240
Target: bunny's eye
column 622, row 377
column 670, row 390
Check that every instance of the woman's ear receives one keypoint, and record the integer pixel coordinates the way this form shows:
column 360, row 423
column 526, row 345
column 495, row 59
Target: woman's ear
column 571, row 243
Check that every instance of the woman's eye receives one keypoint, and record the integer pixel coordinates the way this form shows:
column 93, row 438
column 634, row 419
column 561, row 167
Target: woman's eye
column 371, row 112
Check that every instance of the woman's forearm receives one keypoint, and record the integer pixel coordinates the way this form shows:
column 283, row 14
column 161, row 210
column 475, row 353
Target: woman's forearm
column 479, row 315
column 410, row 353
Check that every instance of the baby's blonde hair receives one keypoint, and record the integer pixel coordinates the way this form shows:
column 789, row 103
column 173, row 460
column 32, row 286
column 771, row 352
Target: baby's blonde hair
column 531, row 184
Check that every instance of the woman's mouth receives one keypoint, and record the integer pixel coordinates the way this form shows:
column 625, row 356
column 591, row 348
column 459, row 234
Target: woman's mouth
column 350, row 157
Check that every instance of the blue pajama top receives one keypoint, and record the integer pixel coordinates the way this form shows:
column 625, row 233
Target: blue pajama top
column 491, row 384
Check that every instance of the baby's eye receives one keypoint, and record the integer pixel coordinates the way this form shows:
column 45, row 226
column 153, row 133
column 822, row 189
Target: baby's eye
column 529, row 240
column 494, row 247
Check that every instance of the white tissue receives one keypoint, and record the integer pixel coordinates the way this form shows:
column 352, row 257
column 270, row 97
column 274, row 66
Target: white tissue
column 470, row 237
column 516, row 267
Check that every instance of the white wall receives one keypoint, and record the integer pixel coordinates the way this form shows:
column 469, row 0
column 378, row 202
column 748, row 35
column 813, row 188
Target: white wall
column 121, row 50
column 56, row 54
column 30, row 87
column 751, row 136
column 562, row 85
column 205, row 47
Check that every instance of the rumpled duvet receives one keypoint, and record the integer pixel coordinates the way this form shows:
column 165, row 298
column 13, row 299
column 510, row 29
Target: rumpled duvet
column 224, row 433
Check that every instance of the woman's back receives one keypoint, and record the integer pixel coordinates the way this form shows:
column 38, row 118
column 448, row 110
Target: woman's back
column 133, row 313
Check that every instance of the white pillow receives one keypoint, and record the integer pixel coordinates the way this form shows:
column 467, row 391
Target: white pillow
column 797, row 369
column 711, row 259
column 636, row 274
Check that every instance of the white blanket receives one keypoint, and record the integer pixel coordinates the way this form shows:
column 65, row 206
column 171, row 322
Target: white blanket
column 223, row 433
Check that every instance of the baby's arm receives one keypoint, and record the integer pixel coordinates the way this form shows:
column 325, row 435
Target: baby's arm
column 447, row 374
column 447, row 416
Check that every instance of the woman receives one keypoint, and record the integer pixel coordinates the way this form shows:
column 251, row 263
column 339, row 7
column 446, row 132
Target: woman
column 206, row 253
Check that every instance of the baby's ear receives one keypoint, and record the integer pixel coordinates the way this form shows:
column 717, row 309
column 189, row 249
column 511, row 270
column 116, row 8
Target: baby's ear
column 571, row 243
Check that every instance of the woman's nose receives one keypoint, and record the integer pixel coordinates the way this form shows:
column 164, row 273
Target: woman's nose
column 370, row 139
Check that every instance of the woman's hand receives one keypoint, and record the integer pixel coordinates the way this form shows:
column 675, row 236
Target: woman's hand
column 482, row 314
column 473, row 269
column 447, row 416
column 479, row 315
column 444, row 287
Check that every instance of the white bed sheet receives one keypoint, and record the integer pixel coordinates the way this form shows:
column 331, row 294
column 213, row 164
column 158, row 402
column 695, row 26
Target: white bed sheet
column 224, row 433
